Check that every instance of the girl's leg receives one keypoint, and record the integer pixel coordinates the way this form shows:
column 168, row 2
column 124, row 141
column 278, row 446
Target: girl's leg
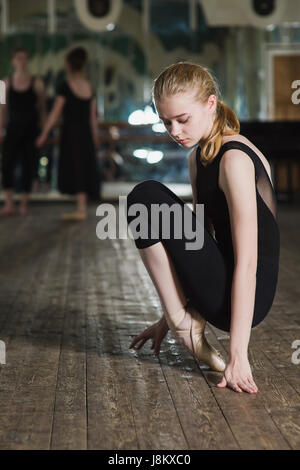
column 9, row 154
column 163, row 261
column 164, row 277
column 81, row 208
column 82, row 203
column 203, row 273
column 9, row 205
column 28, row 165
column 24, row 204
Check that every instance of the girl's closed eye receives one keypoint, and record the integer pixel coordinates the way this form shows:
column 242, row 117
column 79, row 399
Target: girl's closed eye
column 180, row 122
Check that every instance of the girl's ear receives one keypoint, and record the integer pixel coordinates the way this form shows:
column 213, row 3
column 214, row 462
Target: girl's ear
column 212, row 102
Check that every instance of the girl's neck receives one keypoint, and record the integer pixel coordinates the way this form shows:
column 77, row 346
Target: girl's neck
column 21, row 74
column 76, row 76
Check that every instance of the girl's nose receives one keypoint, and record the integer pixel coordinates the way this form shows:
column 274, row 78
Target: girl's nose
column 175, row 130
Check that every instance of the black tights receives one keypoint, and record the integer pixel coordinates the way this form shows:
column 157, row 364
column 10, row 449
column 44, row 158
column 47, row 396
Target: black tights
column 18, row 149
column 205, row 274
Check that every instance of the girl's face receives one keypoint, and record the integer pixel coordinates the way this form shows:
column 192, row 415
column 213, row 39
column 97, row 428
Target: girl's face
column 187, row 121
column 20, row 61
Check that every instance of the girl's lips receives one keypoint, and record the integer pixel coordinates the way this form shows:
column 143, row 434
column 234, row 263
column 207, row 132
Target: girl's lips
column 181, row 141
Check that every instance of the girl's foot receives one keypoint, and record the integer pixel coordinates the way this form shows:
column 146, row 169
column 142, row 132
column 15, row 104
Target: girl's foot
column 188, row 326
column 7, row 210
column 77, row 215
column 23, row 210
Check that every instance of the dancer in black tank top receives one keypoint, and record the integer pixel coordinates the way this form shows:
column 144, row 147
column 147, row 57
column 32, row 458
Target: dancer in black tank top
column 78, row 168
column 231, row 280
column 24, row 112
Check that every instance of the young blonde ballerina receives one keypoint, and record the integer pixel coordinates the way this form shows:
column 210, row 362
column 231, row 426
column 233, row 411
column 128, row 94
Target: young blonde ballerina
column 231, row 281
column 77, row 168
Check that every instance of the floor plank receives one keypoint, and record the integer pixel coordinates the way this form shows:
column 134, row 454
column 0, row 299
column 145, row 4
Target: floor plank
column 70, row 305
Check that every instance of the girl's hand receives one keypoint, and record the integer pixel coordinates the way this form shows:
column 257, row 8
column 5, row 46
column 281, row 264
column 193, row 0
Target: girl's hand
column 238, row 376
column 156, row 332
column 40, row 141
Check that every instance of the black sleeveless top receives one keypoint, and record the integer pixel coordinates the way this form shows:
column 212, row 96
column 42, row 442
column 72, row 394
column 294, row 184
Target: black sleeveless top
column 215, row 206
column 22, row 109
column 76, row 110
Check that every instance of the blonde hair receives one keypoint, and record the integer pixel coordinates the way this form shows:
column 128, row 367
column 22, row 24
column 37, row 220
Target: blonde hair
column 183, row 76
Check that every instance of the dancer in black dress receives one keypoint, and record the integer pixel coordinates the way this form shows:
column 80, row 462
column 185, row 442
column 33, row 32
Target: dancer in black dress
column 23, row 116
column 231, row 281
column 77, row 170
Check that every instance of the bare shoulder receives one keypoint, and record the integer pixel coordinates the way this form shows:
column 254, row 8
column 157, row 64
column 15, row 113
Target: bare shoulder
column 235, row 169
column 246, row 141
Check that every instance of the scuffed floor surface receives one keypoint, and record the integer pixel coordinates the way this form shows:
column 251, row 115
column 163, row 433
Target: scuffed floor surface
column 70, row 305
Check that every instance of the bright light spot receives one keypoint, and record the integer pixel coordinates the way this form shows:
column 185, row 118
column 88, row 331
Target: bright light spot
column 137, row 117
column 150, row 116
column 159, row 127
column 154, row 156
column 44, row 161
column 271, row 27
column 141, row 153
column 146, row 116
column 110, row 26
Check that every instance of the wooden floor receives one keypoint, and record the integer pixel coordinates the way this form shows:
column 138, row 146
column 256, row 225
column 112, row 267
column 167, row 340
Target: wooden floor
column 70, row 305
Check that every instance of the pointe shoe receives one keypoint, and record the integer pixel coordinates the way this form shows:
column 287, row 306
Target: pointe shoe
column 200, row 349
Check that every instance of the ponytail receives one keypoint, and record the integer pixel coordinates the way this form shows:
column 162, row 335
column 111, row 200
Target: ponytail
column 225, row 118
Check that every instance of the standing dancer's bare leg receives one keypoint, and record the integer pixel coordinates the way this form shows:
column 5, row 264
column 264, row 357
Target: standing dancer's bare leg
column 23, row 209
column 81, row 209
column 82, row 203
column 9, row 205
column 185, row 322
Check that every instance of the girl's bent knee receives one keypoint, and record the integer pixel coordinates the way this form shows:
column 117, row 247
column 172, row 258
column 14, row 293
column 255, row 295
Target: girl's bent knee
column 141, row 191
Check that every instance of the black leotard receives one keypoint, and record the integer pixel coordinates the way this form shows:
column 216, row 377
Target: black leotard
column 215, row 204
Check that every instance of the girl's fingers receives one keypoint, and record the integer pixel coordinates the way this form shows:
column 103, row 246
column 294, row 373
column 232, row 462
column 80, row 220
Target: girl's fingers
column 138, row 338
column 142, row 343
column 234, row 386
column 253, row 385
column 134, row 341
column 246, row 386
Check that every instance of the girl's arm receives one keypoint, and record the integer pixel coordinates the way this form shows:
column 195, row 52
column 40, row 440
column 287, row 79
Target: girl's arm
column 3, row 113
column 237, row 180
column 41, row 94
column 94, row 123
column 53, row 117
